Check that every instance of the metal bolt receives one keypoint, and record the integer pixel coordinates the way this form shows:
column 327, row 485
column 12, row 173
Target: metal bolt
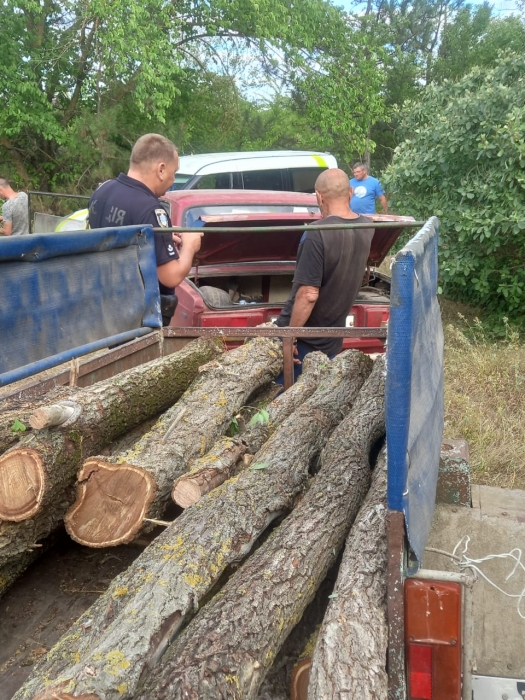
column 504, row 512
column 453, row 641
column 504, row 696
column 509, row 666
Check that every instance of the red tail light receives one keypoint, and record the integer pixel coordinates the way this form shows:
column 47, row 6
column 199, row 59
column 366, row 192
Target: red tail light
column 433, row 639
column 419, row 672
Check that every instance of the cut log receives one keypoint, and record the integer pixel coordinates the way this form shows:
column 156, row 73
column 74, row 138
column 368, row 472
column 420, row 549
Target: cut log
column 227, row 649
column 37, row 476
column 349, row 660
column 115, row 494
column 18, row 412
column 126, row 631
column 208, row 472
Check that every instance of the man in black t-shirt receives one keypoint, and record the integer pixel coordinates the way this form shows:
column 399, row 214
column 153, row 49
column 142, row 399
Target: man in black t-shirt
column 133, row 199
column 330, row 267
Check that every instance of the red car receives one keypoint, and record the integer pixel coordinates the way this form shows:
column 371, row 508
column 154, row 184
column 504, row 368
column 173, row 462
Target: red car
column 243, row 279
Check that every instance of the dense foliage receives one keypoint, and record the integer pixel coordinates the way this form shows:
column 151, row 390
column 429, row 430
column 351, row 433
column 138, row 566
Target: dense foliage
column 463, row 158
column 81, row 79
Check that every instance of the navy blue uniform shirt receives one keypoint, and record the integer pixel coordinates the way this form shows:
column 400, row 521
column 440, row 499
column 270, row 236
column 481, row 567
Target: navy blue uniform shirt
column 128, row 202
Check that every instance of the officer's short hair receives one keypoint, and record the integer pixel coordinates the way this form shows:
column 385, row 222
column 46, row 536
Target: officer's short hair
column 4, row 182
column 152, row 148
column 361, row 165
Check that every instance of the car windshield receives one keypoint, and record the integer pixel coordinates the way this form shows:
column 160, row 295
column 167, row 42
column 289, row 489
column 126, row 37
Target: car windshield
column 191, row 216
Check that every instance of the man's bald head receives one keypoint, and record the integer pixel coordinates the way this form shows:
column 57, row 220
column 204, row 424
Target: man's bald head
column 333, row 184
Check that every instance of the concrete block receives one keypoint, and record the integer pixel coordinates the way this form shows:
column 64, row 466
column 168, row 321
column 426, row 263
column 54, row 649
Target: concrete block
column 453, row 485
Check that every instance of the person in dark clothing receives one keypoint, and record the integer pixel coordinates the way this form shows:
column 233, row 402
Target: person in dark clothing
column 132, row 199
column 330, row 268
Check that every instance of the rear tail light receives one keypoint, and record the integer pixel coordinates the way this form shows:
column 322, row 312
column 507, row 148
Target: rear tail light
column 433, row 639
column 350, row 321
column 420, row 672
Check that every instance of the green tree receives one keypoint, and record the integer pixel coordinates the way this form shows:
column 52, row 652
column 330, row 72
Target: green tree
column 463, row 159
column 81, row 79
column 475, row 38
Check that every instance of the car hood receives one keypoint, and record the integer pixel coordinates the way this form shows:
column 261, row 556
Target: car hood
column 220, row 248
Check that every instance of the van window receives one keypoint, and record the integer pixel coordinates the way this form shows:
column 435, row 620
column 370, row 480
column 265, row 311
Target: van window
column 303, row 179
column 219, row 181
column 264, row 180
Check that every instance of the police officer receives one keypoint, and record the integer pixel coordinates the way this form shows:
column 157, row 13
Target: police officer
column 132, row 199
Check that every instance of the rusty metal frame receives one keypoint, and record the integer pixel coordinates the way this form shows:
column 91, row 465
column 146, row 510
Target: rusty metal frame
column 87, row 366
column 288, row 335
column 396, row 605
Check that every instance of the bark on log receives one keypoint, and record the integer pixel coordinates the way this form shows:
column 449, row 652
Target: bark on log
column 228, row 648
column 128, row 628
column 21, row 410
column 208, row 472
column 349, row 660
column 115, row 495
column 37, row 476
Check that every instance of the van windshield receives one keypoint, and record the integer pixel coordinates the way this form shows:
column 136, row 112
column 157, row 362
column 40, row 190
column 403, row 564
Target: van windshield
column 191, row 216
column 180, row 181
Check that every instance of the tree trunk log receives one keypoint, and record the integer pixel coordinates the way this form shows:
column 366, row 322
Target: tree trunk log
column 14, row 409
column 115, row 495
column 128, row 628
column 227, row 650
column 349, row 660
column 37, row 476
column 208, row 472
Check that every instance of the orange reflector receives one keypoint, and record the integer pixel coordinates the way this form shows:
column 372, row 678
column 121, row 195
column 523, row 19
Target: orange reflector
column 433, row 639
column 420, row 672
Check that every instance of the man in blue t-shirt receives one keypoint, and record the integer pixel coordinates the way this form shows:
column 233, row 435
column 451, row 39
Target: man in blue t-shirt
column 364, row 190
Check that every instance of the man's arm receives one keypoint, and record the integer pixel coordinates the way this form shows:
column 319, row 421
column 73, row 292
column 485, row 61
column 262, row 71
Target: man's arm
column 304, row 303
column 172, row 273
column 7, row 228
column 383, row 202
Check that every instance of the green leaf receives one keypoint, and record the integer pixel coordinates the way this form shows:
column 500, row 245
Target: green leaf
column 258, row 466
column 233, row 430
column 261, row 417
column 18, row 427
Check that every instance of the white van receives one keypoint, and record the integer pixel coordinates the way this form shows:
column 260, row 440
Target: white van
column 287, row 171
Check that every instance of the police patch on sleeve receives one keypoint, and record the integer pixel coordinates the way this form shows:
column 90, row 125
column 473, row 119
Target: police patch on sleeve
column 162, row 217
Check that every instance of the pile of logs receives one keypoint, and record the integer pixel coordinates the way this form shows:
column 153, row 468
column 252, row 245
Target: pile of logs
column 205, row 608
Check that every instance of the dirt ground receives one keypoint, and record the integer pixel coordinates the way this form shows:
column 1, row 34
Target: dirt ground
column 45, row 601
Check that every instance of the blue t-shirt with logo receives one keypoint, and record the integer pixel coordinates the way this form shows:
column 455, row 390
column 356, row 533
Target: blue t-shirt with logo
column 366, row 191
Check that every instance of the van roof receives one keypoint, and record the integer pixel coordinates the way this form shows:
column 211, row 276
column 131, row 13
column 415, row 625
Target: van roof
column 212, row 163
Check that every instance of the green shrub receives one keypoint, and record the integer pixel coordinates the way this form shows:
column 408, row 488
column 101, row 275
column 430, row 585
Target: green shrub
column 463, row 159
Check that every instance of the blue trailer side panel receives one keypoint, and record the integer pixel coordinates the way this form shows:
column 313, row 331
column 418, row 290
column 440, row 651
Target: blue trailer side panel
column 414, row 387
column 63, row 294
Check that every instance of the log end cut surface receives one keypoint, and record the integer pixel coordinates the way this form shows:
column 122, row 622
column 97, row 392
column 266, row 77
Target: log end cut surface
column 112, row 501
column 300, row 680
column 186, row 492
column 22, row 479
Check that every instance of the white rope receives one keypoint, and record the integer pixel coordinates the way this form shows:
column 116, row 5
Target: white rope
column 466, row 562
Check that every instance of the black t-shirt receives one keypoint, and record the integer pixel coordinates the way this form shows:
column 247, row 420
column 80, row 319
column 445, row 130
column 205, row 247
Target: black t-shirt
column 333, row 260
column 128, row 202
